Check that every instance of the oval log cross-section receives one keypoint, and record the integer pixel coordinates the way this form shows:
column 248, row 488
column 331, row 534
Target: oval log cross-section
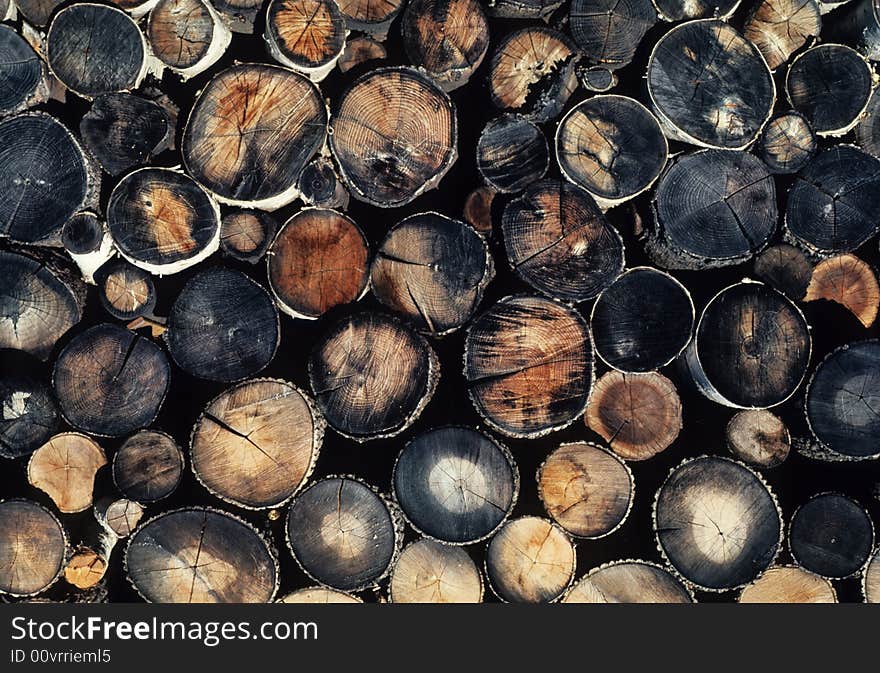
column 717, row 523
column 433, row 270
column 64, row 468
column 250, row 133
column 629, row 582
column 21, row 72
column 788, row 584
column 33, row 548
column 512, row 153
column 126, row 291
column 187, row 35
column 608, row 32
column 256, row 443
column 199, row 555
column 372, row 376
column 455, row 484
column 529, row 366
column 148, row 466
column 430, row 572
column 246, row 235
column 758, row 437
column 394, row 136
column 306, row 35
column 778, row 28
column 109, row 381
column 787, row 143
column 28, row 412
column 343, row 534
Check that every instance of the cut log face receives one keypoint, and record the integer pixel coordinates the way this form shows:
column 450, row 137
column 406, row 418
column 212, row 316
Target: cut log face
column 28, row 414
column 21, row 71
column 714, row 207
column 343, row 534
column 830, row 85
column 629, row 582
column 608, row 32
column 455, row 484
column 639, row 415
column 95, row 49
column 187, row 35
column 126, row 291
column 110, row 381
column 306, row 35
column 200, row 556
column 871, row 579
column 65, row 468
column 478, row 210
column 43, row 177
column 831, row 535
column 256, row 444
column 724, row 72
column 530, row 560
column 642, row 321
column 429, row 572
column 831, row 206
column 37, row 12
column 533, row 72
column 252, row 130
column 523, row 9
column 787, row 143
column 758, row 437
column 122, row 516
column 320, row 186
column 319, row 595
column 433, row 270
column 394, row 136
column 359, row 50
column 850, row 282
column 223, row 326
column 83, row 233
column 529, row 366
column 370, row 17
column 246, row 235
column 788, row 584
column 559, row 241
column 678, row 10
column 447, row 38
column 751, row 348
column 372, row 376
column 717, row 523
column 318, row 260
column 785, row 268
column 512, row 153
column 778, row 28
column 612, row 146
column 148, row 466
column 33, row 548
column 867, row 131
column 239, row 15
column 586, row 489
column 597, row 79
column 85, row 568
column 843, row 400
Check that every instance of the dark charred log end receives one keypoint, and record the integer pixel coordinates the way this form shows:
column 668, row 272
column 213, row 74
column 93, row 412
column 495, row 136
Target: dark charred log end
column 512, row 153
column 21, row 70
column 608, row 32
column 148, row 466
column 360, row 50
column 787, row 143
column 786, row 269
column 478, row 210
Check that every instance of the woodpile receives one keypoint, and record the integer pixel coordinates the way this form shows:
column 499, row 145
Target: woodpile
column 439, row 301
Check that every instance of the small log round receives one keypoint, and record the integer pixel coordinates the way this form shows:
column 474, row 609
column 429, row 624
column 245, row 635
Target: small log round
column 126, row 291
column 831, row 535
column 359, row 50
column 343, row 534
column 679, row 10
column 717, row 523
column 188, row 36
column 28, row 412
column 529, row 366
column 559, row 241
column 586, row 489
column 850, row 282
column 33, row 548
column 239, row 15
column 778, row 28
column 44, row 177
column 478, row 210
column 530, row 560
column 867, row 131
column 758, row 437
column 533, row 72
column 163, row 221
column 788, row 584
column 38, row 13
column 148, row 466
column 642, row 321
column 318, row 260
column 394, row 136
column 831, row 206
column 21, row 72
column 523, row 9
column 786, row 269
column 597, row 79
column 608, row 32
column 123, row 130
column 122, row 516
column 639, row 415
column 787, row 143
column 433, row 270
column 455, row 484
column 110, row 381
column 320, row 186
column 64, row 468
column 319, row 595
column 256, row 443
column 512, row 153
column 871, row 579
column 843, row 401
column 372, row 376
column 710, row 86
column 446, row 38
column 430, row 572
column 830, row 84
column 85, row 568
column 95, row 49
column 199, row 555
column 250, row 133
column 306, row 35
column 612, row 146
column 370, row 17
column 751, row 348
column 83, row 233
column 246, row 235
column 629, row 582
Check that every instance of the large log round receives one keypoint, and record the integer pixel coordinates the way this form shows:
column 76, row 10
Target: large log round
column 608, row 32
column 788, row 584
column 28, row 411
column 33, row 548
column 629, row 582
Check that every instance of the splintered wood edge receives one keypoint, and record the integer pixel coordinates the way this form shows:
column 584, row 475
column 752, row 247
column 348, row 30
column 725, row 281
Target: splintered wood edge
column 687, row 588
column 65, row 558
column 514, row 468
column 319, row 424
column 858, row 270
column 757, row 475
